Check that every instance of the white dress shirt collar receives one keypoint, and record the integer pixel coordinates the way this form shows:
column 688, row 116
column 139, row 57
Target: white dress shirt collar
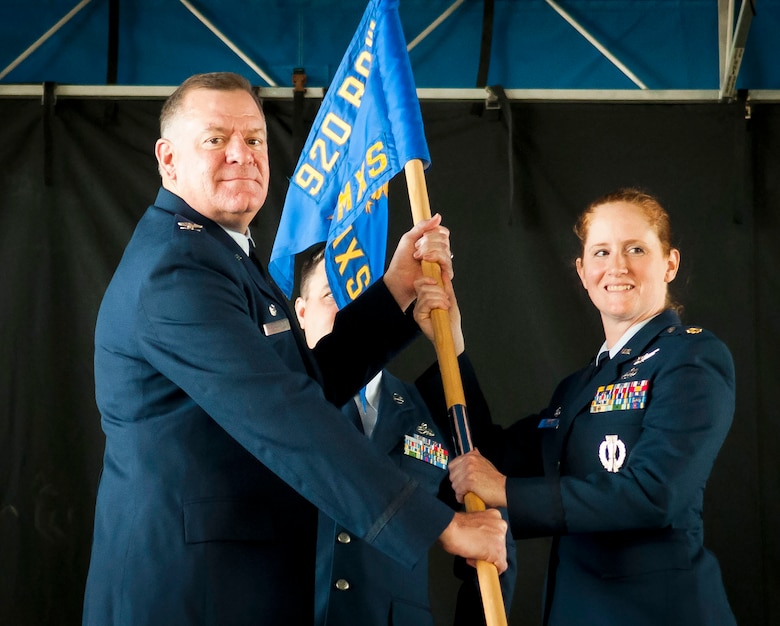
column 241, row 239
column 622, row 341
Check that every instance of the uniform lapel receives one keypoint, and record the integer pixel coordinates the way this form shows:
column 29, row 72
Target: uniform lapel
column 580, row 392
column 397, row 413
column 172, row 203
column 583, row 388
column 269, row 288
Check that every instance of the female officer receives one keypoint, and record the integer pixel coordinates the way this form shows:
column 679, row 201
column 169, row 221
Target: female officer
column 615, row 467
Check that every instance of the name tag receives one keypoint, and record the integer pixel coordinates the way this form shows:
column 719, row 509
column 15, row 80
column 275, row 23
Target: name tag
column 279, row 326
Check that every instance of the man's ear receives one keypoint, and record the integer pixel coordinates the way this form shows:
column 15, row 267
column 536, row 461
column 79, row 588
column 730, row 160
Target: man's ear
column 163, row 150
column 300, row 310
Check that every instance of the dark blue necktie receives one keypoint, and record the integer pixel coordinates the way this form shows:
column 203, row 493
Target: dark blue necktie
column 597, row 365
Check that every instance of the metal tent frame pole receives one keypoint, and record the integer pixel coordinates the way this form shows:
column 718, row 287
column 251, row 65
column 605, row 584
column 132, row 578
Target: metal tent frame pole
column 44, row 38
column 161, row 92
column 433, row 25
column 734, row 45
column 596, row 44
column 223, row 38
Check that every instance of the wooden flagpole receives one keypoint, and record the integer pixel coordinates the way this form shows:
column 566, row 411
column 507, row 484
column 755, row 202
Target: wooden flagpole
column 489, row 586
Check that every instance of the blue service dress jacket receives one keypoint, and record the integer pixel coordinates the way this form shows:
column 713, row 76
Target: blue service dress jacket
column 222, row 437
column 356, row 583
column 615, row 469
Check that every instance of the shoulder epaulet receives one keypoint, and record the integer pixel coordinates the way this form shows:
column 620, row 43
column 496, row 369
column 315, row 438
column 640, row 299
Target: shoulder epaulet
column 682, row 330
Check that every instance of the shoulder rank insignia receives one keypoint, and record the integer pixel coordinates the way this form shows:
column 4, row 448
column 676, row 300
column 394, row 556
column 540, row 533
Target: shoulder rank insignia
column 693, row 330
column 190, row 226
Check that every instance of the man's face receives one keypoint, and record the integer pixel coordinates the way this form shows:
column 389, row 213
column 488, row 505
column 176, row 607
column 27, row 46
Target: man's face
column 316, row 309
column 215, row 156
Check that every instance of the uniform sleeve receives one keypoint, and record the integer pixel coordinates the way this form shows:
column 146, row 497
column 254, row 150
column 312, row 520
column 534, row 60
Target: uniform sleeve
column 367, row 333
column 688, row 413
column 211, row 348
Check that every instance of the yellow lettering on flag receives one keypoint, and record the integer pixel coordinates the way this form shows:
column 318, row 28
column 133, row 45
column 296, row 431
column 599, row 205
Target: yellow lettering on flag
column 352, row 90
column 360, row 177
column 363, row 63
column 376, row 159
column 353, row 252
column 355, row 286
column 345, row 201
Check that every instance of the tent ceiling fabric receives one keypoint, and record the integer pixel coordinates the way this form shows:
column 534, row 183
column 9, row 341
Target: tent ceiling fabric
column 666, row 44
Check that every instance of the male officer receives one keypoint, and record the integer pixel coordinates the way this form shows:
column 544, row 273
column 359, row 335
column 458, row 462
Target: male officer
column 355, row 582
column 221, row 434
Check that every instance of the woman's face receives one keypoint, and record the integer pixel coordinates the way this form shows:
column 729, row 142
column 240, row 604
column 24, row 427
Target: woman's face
column 623, row 266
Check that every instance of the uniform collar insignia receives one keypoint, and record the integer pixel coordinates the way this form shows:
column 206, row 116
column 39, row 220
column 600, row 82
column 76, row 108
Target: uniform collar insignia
column 190, row 226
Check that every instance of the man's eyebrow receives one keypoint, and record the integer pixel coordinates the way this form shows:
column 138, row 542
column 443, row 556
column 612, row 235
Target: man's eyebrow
column 222, row 129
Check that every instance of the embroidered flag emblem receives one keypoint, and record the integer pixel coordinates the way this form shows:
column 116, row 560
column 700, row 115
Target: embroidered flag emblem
column 425, row 449
column 620, row 396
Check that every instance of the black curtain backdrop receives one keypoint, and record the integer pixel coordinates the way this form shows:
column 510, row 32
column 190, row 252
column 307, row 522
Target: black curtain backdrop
column 75, row 177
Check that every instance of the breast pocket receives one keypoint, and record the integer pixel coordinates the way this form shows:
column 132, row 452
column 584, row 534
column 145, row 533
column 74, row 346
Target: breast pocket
column 427, row 464
column 281, row 337
column 602, row 441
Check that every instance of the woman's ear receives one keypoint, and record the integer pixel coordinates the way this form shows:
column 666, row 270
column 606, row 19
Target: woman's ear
column 672, row 265
column 580, row 272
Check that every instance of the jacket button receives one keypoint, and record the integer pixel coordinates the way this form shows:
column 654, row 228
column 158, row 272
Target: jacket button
column 342, row 585
column 343, row 537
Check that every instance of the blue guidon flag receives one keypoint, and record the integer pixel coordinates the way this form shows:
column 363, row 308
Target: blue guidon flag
column 368, row 127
